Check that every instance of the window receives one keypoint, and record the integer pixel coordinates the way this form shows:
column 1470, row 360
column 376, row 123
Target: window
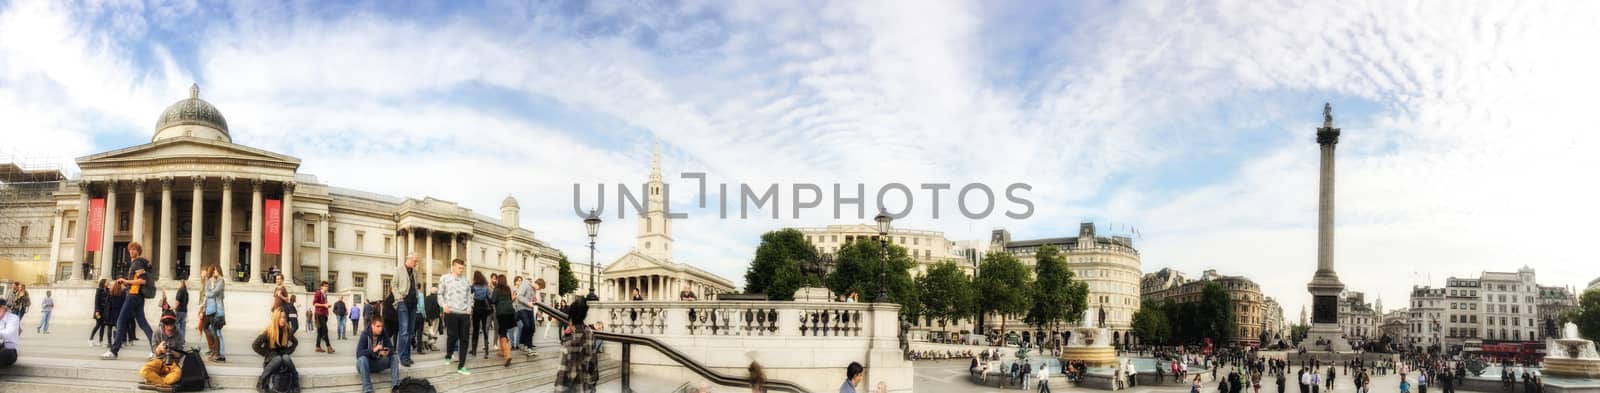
column 361, row 241
column 359, row 280
column 833, row 238
column 483, row 253
column 331, row 238
column 1474, row 318
column 914, row 241
column 1474, row 306
column 388, row 244
column 1452, row 306
column 311, row 230
column 388, row 281
column 333, row 281
column 72, row 229
column 1514, row 309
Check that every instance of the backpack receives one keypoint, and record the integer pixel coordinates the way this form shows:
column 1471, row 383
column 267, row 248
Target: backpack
column 414, row 385
column 286, row 381
column 193, row 377
column 148, row 289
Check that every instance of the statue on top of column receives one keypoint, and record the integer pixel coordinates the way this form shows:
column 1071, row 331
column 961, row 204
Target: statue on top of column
column 1327, row 115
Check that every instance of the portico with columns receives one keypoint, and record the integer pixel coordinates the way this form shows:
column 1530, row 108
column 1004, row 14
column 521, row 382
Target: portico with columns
column 649, row 267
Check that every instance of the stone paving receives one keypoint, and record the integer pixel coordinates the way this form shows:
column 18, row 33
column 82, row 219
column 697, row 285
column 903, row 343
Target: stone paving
column 950, row 376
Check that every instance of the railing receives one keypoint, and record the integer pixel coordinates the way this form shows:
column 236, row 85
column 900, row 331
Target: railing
column 629, row 340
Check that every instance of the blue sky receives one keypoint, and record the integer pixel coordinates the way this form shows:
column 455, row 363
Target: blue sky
column 1465, row 143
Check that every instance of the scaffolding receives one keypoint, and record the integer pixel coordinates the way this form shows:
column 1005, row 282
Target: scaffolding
column 27, row 187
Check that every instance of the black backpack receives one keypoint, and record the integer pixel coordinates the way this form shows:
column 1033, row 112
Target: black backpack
column 286, row 381
column 148, row 289
column 193, row 377
column 414, row 385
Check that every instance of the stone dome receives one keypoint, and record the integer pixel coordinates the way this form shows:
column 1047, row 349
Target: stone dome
column 509, row 202
column 192, row 117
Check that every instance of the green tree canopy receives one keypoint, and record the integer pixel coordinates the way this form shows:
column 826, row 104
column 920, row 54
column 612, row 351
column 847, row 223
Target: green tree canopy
column 1150, row 324
column 946, row 292
column 1215, row 310
column 1587, row 315
column 775, row 271
column 1057, row 296
column 568, row 281
column 1003, row 285
column 856, row 268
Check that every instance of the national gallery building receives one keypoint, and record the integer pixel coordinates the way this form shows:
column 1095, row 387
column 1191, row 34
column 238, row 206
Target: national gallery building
column 195, row 199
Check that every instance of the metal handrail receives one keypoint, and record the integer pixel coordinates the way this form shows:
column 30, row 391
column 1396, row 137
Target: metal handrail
column 705, row 372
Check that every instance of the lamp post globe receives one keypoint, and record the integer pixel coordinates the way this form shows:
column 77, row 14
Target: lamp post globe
column 883, row 220
column 593, row 224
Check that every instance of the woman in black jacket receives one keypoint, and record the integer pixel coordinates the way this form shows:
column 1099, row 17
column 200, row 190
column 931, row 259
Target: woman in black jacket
column 275, row 344
column 102, row 298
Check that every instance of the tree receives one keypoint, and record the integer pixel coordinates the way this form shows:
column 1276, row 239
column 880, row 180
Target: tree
column 1150, row 324
column 1216, row 310
column 856, row 268
column 1003, row 286
column 1587, row 314
column 775, row 271
column 569, row 281
column 946, row 292
column 1056, row 296
column 1298, row 333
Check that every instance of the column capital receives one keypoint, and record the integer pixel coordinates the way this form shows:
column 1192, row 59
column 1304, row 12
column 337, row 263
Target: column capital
column 227, row 182
column 198, row 180
column 288, row 186
column 137, row 181
column 255, row 183
column 166, row 182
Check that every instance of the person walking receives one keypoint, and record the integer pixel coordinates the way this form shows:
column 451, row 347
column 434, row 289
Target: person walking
column 455, row 297
column 527, row 299
column 45, row 307
column 339, row 312
column 480, row 313
column 505, row 317
column 319, row 303
column 578, row 371
column 215, row 318
column 133, row 304
column 404, row 291
column 10, row 332
column 102, row 298
column 181, row 311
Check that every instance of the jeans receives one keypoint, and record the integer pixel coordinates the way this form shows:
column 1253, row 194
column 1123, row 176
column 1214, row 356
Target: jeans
column 132, row 311
column 341, row 327
column 366, row 366
column 404, row 316
column 216, row 332
column 182, row 322
column 457, row 327
column 44, row 323
column 1044, row 386
column 275, row 365
column 525, row 333
column 322, row 332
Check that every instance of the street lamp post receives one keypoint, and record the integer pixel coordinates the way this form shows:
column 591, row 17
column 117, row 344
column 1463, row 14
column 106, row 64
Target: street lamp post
column 883, row 219
column 593, row 222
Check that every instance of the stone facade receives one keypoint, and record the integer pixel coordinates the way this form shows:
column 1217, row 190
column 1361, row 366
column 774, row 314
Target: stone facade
column 1358, row 319
column 1496, row 307
column 926, row 248
column 1108, row 264
column 649, row 267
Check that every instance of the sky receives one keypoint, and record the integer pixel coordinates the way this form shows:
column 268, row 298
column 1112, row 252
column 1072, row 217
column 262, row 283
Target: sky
column 1466, row 146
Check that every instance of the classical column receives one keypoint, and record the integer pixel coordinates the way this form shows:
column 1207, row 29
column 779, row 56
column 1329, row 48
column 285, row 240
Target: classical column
column 138, row 214
column 428, row 283
column 108, row 235
column 322, row 252
column 166, row 229
column 411, row 247
column 55, row 246
column 454, row 238
column 286, row 228
column 255, row 230
column 196, row 227
column 81, row 254
column 225, row 246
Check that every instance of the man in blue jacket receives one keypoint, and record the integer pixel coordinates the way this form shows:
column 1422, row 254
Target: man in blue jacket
column 373, row 354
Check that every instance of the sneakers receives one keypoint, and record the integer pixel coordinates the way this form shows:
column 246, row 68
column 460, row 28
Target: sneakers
column 93, row 343
column 463, row 371
column 406, row 362
column 108, row 356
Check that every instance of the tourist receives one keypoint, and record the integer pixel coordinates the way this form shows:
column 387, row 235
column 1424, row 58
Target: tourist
column 432, row 312
column 480, row 314
column 578, row 369
column 280, row 293
column 1024, row 374
column 1405, row 386
column 163, row 371
column 102, row 318
column 1316, row 382
column 505, row 316
column 339, row 312
column 1422, row 381
column 527, row 299
column 46, row 306
column 275, row 344
column 10, row 335
column 181, row 311
column 404, row 290
column 852, row 377
column 1194, row 387
column 319, row 303
column 373, row 355
column 636, row 296
column 133, row 303
column 214, row 316
column 1331, row 375
column 758, row 378
column 455, row 297
column 354, row 314
column 1016, row 369
column 292, row 311
column 1282, row 381
column 1044, row 379
column 20, row 300
column 419, row 341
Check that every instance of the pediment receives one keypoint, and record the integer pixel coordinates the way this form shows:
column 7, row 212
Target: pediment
column 189, row 150
column 634, row 261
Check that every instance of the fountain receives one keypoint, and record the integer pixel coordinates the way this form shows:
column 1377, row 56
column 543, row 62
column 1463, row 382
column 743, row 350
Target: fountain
column 1572, row 356
column 1090, row 345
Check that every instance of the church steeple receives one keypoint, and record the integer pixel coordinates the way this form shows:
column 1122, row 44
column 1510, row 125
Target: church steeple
column 655, row 228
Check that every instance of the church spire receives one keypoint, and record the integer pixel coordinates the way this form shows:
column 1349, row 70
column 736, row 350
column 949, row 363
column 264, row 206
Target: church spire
column 655, row 163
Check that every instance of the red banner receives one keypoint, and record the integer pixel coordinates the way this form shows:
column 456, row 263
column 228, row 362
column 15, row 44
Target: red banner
column 97, row 223
column 272, row 227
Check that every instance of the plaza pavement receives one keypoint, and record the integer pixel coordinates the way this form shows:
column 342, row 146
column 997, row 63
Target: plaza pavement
column 950, row 376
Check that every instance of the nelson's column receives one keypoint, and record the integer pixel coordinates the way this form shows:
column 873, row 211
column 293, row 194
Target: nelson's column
column 1325, row 285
